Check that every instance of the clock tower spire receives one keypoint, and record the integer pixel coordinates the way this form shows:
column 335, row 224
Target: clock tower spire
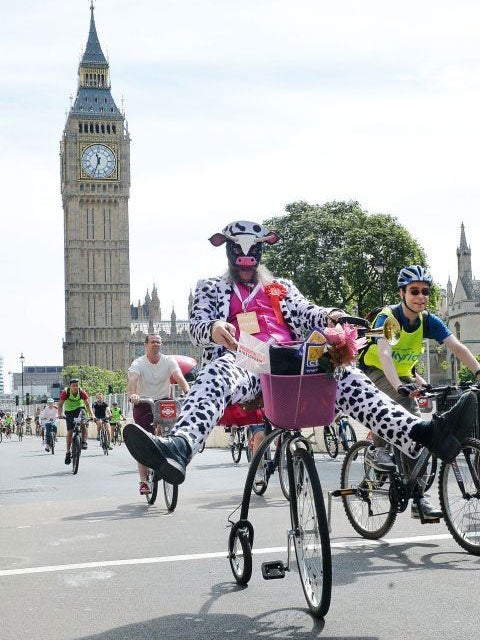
column 95, row 185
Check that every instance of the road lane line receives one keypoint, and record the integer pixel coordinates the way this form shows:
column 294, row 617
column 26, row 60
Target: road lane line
column 207, row 556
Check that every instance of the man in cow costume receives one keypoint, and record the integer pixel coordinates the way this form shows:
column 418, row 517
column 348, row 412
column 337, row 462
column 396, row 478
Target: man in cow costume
column 243, row 299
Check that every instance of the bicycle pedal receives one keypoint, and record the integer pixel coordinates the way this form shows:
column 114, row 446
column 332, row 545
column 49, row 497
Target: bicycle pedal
column 430, row 521
column 273, row 570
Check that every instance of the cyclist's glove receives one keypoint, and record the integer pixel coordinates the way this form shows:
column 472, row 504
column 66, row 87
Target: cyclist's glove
column 406, row 389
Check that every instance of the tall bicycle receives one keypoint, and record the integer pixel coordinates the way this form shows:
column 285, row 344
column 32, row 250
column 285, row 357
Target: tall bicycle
column 284, row 416
column 372, row 499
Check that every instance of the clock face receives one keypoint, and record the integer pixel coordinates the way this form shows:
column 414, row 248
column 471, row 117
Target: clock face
column 98, row 161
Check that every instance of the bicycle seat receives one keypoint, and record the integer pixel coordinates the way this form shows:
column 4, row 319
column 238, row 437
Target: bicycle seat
column 242, row 414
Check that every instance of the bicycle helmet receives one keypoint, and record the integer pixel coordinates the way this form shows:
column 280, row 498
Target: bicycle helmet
column 244, row 242
column 413, row 273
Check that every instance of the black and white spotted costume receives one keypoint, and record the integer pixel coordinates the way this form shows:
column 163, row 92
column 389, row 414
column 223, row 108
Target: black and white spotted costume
column 221, row 382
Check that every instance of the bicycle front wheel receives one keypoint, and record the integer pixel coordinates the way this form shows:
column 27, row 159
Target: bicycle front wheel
column 368, row 507
column 348, row 435
column 330, row 440
column 170, row 491
column 311, row 537
column 459, row 493
column 76, row 449
column 282, row 465
column 152, row 482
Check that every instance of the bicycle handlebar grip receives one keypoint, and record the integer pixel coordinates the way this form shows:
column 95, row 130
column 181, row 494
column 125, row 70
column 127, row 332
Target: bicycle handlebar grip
column 355, row 320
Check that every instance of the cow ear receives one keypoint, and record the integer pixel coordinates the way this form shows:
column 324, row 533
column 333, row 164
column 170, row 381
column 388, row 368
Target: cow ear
column 217, row 239
column 272, row 238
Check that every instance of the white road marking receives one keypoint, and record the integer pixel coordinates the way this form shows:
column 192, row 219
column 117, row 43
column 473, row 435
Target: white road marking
column 208, row 556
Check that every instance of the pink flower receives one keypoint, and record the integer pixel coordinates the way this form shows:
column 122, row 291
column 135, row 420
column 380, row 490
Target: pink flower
column 344, row 343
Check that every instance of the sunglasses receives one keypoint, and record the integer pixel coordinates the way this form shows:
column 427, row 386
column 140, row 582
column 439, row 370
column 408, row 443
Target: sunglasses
column 415, row 292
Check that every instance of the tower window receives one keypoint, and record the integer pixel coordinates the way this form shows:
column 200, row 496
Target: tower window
column 97, row 129
column 80, row 127
column 102, row 127
column 114, row 129
column 91, row 128
column 108, row 128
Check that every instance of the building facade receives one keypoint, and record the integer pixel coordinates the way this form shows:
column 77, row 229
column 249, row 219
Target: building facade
column 95, row 186
column 146, row 318
column 463, row 304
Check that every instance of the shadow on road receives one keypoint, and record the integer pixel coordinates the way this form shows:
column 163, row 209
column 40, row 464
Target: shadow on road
column 278, row 624
column 124, row 512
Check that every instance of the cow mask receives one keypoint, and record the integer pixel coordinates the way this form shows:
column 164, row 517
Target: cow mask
column 244, row 243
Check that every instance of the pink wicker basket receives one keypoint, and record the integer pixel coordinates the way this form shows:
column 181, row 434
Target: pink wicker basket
column 295, row 402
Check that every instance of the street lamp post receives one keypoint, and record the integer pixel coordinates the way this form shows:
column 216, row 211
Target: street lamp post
column 380, row 269
column 22, row 360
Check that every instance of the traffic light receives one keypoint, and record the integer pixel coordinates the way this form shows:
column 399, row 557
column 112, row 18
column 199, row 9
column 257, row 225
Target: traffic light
column 27, row 398
column 17, row 401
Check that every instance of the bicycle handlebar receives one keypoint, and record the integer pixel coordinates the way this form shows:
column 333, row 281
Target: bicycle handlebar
column 355, row 320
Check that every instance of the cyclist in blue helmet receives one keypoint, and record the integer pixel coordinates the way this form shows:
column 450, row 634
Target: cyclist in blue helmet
column 392, row 368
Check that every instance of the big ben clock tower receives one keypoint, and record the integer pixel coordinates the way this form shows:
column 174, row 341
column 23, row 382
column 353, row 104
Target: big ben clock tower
column 95, row 182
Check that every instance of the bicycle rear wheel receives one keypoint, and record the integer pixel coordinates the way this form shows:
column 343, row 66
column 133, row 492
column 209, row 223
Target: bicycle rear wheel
column 152, row 482
column 368, row 509
column 311, row 537
column 330, row 440
column 240, row 554
column 459, row 493
column 76, row 450
column 237, row 446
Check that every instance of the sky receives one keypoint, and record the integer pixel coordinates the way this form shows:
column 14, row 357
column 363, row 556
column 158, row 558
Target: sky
column 235, row 109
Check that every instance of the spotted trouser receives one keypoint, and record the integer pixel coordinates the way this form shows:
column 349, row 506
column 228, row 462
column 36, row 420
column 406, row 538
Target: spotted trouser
column 221, row 382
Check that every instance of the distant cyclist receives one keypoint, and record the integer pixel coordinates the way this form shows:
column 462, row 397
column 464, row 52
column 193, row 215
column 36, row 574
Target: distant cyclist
column 102, row 414
column 72, row 401
column 19, row 419
column 115, row 417
column 149, row 376
column 48, row 421
column 392, row 368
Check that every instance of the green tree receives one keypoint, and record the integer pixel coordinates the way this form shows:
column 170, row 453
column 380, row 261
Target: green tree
column 330, row 252
column 96, row 380
column 464, row 374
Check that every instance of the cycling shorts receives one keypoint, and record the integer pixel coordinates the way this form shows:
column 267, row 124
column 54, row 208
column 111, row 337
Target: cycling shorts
column 70, row 415
column 143, row 416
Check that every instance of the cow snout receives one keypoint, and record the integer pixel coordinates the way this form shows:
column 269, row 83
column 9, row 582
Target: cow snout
column 246, row 261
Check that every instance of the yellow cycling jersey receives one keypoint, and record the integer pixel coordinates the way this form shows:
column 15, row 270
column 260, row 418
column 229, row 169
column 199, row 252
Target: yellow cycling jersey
column 405, row 354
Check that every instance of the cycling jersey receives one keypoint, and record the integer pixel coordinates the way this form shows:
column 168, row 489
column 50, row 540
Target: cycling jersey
column 116, row 415
column 100, row 410
column 409, row 349
column 71, row 402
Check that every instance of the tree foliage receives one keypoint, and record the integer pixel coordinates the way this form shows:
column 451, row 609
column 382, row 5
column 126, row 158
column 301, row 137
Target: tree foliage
column 96, row 380
column 465, row 375
column 330, row 251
